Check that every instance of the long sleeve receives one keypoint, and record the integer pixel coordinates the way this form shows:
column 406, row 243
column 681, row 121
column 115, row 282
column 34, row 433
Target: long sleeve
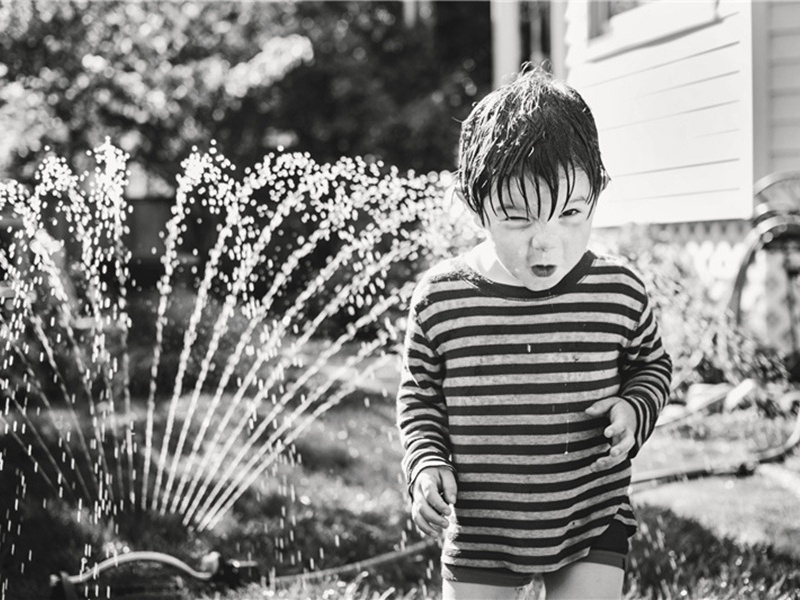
column 646, row 375
column 421, row 410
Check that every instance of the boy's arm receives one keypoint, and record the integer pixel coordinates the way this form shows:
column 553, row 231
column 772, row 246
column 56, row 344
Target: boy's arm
column 421, row 411
column 646, row 371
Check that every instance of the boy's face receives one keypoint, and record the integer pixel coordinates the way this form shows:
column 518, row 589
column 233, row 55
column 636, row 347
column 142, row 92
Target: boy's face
column 539, row 252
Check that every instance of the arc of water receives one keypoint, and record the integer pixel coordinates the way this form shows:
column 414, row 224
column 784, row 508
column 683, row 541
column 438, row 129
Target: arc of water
column 372, row 316
column 197, row 167
column 107, row 187
column 240, row 280
column 189, row 337
column 280, row 279
column 106, row 191
column 339, row 259
column 268, row 452
column 70, row 398
column 257, row 319
column 117, row 181
column 29, row 208
column 21, row 410
column 228, row 486
column 31, row 379
column 331, row 308
column 194, row 168
column 22, row 299
column 263, row 356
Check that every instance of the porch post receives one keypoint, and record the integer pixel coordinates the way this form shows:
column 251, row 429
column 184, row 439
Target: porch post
column 506, row 40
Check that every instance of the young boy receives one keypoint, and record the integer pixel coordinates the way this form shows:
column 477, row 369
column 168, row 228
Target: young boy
column 533, row 369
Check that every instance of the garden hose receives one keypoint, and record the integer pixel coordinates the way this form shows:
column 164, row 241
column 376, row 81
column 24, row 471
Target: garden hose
column 719, row 393
column 359, row 566
column 738, row 468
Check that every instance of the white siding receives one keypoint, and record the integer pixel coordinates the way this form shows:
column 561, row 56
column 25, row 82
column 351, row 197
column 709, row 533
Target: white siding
column 670, row 87
column 783, row 19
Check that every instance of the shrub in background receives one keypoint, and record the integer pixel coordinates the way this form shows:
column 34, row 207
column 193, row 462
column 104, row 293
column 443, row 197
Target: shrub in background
column 706, row 343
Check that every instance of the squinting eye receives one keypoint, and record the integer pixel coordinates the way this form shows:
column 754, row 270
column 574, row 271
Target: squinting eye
column 570, row 212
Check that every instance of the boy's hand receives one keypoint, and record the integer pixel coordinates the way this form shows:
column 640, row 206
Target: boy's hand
column 434, row 489
column 620, row 431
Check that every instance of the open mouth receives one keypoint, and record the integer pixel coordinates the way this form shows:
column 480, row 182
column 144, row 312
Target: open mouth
column 543, row 270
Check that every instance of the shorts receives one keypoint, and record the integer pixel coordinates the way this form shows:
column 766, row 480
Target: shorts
column 611, row 548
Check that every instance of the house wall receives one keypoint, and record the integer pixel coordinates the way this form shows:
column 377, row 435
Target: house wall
column 670, row 87
column 783, row 101
column 695, row 101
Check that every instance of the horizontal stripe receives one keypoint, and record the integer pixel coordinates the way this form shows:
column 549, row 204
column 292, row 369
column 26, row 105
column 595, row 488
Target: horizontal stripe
column 527, row 329
column 457, row 410
column 474, row 351
column 526, row 428
column 535, row 369
column 530, row 542
column 558, row 503
column 490, row 311
column 514, row 389
column 597, row 288
column 518, row 450
column 550, row 468
column 537, row 523
column 562, row 485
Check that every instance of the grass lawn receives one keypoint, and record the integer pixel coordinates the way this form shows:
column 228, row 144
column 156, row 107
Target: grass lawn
column 762, row 509
column 342, row 500
column 715, row 538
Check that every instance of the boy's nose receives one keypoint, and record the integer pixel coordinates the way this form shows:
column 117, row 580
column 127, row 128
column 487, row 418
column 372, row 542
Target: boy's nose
column 544, row 236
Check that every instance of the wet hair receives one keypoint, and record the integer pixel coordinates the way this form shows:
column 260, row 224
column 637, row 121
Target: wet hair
column 535, row 127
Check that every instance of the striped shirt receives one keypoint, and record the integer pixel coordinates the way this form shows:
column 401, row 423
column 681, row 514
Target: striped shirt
column 496, row 379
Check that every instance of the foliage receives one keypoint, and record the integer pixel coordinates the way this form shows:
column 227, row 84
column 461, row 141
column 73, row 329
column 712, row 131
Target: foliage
column 161, row 77
column 156, row 77
column 706, row 344
column 381, row 89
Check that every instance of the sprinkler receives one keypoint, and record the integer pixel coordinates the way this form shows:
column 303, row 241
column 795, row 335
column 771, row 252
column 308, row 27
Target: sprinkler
column 230, row 573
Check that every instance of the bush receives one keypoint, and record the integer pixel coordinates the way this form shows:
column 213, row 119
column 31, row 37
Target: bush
column 705, row 342
column 161, row 81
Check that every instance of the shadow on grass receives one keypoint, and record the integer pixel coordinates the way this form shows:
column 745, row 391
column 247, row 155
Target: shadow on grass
column 674, row 557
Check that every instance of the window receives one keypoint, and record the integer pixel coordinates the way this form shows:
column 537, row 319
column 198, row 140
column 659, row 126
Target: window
column 602, row 11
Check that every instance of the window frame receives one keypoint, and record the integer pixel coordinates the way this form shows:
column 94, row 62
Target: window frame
column 647, row 23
